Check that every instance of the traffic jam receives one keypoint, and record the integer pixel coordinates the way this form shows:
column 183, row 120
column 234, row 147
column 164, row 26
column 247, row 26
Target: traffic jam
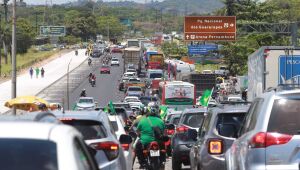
column 170, row 117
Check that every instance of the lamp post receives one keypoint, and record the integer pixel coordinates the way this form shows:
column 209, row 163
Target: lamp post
column 13, row 55
column 68, row 95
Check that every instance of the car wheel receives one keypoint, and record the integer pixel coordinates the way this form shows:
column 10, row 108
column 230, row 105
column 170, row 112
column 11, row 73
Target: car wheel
column 176, row 164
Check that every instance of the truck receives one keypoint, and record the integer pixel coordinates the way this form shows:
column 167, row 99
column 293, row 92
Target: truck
column 133, row 43
column 155, row 61
column 132, row 55
column 270, row 66
column 202, row 81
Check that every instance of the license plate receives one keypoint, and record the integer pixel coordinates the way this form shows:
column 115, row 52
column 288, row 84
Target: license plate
column 154, row 153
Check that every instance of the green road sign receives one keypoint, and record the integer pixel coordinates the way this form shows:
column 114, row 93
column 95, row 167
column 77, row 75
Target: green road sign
column 52, row 31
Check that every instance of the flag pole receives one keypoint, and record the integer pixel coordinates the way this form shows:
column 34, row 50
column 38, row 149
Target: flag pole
column 210, row 95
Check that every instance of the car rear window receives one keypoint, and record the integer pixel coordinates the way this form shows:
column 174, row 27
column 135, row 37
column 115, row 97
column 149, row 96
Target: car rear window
column 28, row 154
column 85, row 101
column 194, row 120
column 228, row 124
column 115, row 125
column 155, row 75
column 175, row 120
column 134, row 89
column 126, row 106
column 285, row 116
column 88, row 128
column 114, row 59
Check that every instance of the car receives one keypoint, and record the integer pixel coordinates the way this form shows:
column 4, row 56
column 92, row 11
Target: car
column 147, row 99
column 98, row 133
column 115, row 62
column 180, row 143
column 105, row 69
column 131, row 70
column 128, row 99
column 129, row 75
column 235, row 99
column 207, row 72
column 96, row 53
column 269, row 138
column 173, row 117
column 118, row 125
column 116, row 50
column 134, row 91
column 216, row 135
column 35, row 145
column 85, row 103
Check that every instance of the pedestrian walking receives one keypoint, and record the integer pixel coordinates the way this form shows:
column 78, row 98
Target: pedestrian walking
column 31, row 72
column 42, row 72
column 37, row 72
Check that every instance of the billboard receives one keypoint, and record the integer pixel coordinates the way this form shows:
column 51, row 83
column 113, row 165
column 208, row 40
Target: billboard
column 289, row 69
column 53, row 31
column 179, row 91
column 210, row 28
column 201, row 49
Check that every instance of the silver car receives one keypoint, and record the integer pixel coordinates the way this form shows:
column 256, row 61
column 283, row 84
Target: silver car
column 269, row 138
column 216, row 136
column 99, row 134
column 86, row 103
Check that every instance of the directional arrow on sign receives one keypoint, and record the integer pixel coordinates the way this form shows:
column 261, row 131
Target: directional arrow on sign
column 187, row 36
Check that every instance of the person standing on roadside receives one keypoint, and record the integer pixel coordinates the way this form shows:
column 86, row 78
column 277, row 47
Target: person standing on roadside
column 42, row 72
column 37, row 72
column 31, row 72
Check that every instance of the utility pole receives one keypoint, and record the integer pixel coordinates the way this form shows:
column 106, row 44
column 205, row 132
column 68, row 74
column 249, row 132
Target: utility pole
column 108, row 36
column 6, row 21
column 1, row 38
column 13, row 55
column 68, row 86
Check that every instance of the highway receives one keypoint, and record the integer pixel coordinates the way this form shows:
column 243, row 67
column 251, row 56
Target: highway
column 106, row 86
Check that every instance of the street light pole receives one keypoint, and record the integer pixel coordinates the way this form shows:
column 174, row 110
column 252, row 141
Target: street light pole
column 68, row 93
column 13, row 53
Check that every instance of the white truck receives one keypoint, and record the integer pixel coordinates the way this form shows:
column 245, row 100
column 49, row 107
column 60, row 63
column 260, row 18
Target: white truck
column 271, row 66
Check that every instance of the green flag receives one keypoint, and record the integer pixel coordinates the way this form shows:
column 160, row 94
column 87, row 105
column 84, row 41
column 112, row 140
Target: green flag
column 106, row 109
column 205, row 97
column 163, row 111
column 111, row 107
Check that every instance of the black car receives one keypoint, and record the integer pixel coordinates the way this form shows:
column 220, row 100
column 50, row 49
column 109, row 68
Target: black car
column 181, row 143
column 216, row 135
column 147, row 99
column 96, row 53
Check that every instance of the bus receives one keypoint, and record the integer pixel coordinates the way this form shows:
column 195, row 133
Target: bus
column 177, row 93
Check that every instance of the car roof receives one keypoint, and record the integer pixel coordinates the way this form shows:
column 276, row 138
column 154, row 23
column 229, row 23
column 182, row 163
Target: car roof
column 86, row 98
column 32, row 116
column 84, row 115
column 194, row 110
column 29, row 130
column 242, row 108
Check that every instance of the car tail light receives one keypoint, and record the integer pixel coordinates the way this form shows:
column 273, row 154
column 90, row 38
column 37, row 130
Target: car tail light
column 182, row 129
column 170, row 132
column 265, row 139
column 110, row 149
column 125, row 147
column 215, row 146
column 154, row 146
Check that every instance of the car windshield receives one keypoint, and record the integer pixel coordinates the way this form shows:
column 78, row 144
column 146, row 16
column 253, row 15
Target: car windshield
column 285, row 116
column 228, row 124
column 114, row 59
column 86, row 101
column 28, row 154
column 194, row 120
column 134, row 89
column 155, row 75
column 88, row 128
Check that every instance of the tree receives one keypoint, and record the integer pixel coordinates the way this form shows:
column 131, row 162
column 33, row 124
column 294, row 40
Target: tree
column 25, row 35
column 112, row 23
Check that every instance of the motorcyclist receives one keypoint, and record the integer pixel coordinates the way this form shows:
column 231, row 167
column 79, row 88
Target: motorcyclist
column 89, row 61
column 93, row 78
column 146, row 133
column 83, row 93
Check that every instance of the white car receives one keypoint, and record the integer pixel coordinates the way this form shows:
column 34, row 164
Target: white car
column 32, row 145
column 118, row 126
column 86, row 103
column 235, row 99
column 131, row 99
column 115, row 62
column 129, row 74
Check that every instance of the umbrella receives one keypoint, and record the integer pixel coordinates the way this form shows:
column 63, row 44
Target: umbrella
column 27, row 103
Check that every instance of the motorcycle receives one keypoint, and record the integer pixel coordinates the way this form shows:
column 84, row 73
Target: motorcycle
column 90, row 62
column 93, row 82
column 76, row 53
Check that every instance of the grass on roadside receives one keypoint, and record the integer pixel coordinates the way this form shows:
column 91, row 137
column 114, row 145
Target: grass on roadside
column 26, row 60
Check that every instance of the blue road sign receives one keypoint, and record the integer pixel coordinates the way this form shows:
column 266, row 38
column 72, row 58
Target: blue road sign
column 289, row 69
column 201, row 49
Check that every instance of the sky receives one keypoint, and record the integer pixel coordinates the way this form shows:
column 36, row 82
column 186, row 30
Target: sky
column 64, row 1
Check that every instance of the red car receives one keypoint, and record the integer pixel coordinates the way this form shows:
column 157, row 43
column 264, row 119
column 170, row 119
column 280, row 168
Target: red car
column 105, row 69
column 116, row 50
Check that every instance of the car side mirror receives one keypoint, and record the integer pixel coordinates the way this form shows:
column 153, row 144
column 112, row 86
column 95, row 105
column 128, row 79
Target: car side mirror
column 125, row 139
column 170, row 126
column 192, row 134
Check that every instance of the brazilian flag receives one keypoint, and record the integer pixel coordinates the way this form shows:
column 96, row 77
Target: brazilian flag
column 163, row 111
column 111, row 107
column 205, row 98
